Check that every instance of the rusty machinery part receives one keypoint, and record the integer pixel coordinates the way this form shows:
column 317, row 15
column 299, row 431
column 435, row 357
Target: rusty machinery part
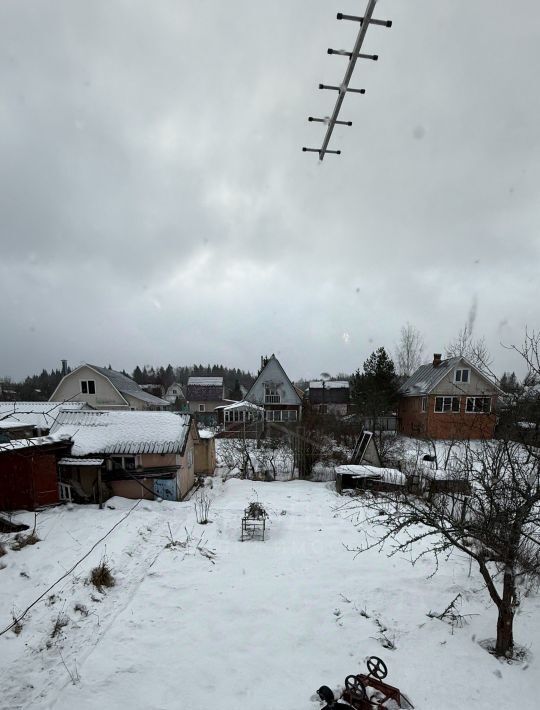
column 356, row 687
column 377, row 667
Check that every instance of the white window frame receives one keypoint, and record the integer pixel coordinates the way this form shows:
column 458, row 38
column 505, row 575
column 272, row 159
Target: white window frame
column 271, row 394
column 86, row 383
column 424, row 404
column 202, row 408
column 474, row 410
column 447, row 411
column 460, row 379
column 281, row 415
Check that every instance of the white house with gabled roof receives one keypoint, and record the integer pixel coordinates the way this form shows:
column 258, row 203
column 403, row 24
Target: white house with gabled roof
column 104, row 388
column 275, row 393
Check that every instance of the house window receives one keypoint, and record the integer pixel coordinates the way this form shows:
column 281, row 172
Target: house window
column 174, row 391
column 88, row 386
column 323, row 409
column 126, row 463
column 201, row 407
column 447, row 404
column 271, row 395
column 285, row 415
column 424, row 404
column 461, row 376
column 478, row 405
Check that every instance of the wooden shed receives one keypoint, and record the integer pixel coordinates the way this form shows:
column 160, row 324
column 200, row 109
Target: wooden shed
column 28, row 472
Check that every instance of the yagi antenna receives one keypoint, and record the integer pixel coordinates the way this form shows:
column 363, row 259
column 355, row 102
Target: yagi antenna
column 344, row 88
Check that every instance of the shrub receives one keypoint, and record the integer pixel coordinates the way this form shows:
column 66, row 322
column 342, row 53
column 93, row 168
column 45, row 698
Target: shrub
column 101, row 576
column 202, row 504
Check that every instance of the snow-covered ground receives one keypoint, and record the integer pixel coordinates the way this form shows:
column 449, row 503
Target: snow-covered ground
column 258, row 625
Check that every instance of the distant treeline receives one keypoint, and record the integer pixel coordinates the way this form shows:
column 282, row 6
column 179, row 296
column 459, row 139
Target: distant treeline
column 233, row 377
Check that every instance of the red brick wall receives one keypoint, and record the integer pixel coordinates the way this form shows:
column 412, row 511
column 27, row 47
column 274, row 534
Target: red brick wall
column 443, row 425
column 411, row 420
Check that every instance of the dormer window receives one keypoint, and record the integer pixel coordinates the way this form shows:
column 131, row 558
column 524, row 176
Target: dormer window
column 88, row 386
column 461, row 376
column 271, row 394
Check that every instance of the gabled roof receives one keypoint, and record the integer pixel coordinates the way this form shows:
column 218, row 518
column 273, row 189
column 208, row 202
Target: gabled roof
column 261, row 376
column 427, row 377
column 120, row 432
column 41, row 415
column 126, row 385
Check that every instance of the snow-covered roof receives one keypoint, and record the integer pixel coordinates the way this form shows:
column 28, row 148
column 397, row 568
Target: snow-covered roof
column 68, row 461
column 38, row 414
column 126, row 385
column 206, row 381
column 329, row 384
column 426, row 377
column 388, row 475
column 121, row 432
column 12, row 423
column 243, row 404
column 36, row 441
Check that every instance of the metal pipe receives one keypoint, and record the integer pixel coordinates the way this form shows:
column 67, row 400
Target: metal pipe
column 355, row 18
column 325, row 120
column 344, row 53
column 339, row 88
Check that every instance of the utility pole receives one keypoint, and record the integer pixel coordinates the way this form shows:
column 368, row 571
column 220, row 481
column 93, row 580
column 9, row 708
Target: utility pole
column 344, row 88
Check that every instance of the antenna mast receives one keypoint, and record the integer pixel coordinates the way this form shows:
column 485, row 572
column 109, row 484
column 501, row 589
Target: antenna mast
column 343, row 88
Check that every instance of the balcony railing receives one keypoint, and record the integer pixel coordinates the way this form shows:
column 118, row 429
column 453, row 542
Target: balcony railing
column 272, row 399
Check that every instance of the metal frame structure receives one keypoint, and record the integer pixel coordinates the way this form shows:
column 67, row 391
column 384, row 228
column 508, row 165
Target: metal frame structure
column 344, row 88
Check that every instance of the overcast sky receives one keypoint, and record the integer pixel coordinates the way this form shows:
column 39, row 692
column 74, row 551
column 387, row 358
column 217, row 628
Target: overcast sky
column 156, row 207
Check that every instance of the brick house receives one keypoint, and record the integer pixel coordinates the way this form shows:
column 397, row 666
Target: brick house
column 329, row 397
column 448, row 399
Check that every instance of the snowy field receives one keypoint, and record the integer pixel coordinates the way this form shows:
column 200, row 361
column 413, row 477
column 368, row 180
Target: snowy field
column 225, row 624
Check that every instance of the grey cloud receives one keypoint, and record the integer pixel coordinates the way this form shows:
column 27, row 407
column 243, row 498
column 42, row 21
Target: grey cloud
column 155, row 203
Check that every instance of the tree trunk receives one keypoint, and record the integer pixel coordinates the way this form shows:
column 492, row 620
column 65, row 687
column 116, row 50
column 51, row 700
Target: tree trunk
column 505, row 621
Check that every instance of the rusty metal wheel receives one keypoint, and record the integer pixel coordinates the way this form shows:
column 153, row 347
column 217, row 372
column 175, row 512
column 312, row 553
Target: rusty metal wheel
column 355, row 686
column 377, row 667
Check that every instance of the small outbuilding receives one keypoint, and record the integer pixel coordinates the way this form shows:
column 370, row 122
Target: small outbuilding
column 28, row 471
column 368, row 478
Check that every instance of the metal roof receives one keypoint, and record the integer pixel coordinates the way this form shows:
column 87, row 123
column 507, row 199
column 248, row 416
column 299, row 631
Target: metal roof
column 122, row 432
column 426, row 377
column 126, row 385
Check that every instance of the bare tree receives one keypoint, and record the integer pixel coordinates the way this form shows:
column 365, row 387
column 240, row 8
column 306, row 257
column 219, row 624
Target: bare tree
column 464, row 345
column 409, row 350
column 496, row 524
column 530, row 352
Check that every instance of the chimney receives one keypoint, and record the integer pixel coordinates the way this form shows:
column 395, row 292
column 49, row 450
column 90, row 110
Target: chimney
column 436, row 359
column 64, row 368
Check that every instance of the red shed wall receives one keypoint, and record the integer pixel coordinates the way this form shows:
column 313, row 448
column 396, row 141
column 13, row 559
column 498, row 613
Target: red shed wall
column 27, row 481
